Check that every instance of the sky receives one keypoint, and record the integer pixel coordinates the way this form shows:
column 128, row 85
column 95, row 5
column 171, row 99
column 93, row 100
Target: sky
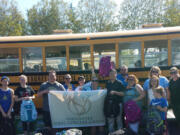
column 24, row 5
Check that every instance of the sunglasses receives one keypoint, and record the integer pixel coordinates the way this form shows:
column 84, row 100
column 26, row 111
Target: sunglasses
column 67, row 78
column 154, row 71
column 130, row 79
column 174, row 72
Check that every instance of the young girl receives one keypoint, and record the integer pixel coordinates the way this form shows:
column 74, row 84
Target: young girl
column 153, row 84
column 6, row 105
column 24, row 92
column 160, row 103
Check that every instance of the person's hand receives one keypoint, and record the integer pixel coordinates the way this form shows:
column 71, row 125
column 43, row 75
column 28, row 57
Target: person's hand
column 46, row 91
column 80, row 88
column 26, row 98
column 4, row 115
column 112, row 92
column 158, row 107
column 9, row 115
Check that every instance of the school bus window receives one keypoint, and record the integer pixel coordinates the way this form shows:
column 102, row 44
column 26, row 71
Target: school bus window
column 79, row 57
column 9, row 60
column 156, row 53
column 103, row 50
column 56, row 58
column 130, row 54
column 32, row 59
column 175, row 51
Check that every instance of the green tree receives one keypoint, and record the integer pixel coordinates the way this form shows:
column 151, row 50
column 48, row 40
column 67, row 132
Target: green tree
column 46, row 16
column 11, row 20
column 172, row 14
column 73, row 20
column 97, row 15
column 134, row 13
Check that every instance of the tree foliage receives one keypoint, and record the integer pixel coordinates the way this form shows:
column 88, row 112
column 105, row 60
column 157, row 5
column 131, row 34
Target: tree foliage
column 74, row 22
column 46, row 16
column 11, row 20
column 134, row 13
column 86, row 16
column 97, row 15
column 172, row 13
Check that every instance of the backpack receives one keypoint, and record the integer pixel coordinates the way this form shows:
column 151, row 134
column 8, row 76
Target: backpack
column 28, row 111
column 132, row 112
column 105, row 66
column 70, row 132
column 154, row 123
column 43, row 131
column 111, row 107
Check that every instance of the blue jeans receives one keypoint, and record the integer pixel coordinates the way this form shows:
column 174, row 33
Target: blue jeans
column 118, row 119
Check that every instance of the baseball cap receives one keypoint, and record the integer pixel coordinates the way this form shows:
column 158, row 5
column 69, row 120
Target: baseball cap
column 5, row 77
column 81, row 77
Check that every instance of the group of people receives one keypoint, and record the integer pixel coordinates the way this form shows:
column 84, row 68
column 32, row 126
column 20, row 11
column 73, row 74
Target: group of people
column 157, row 91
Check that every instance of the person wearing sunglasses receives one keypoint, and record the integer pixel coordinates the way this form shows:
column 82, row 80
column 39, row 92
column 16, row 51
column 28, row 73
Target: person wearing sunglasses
column 67, row 83
column 174, row 88
column 81, row 82
column 134, row 92
column 163, row 81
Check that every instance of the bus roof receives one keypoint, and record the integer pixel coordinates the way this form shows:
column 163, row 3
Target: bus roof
column 92, row 36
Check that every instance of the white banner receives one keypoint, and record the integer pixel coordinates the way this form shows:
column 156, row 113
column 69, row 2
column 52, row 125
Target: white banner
column 77, row 109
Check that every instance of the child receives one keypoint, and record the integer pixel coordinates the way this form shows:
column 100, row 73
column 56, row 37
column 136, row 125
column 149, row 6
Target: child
column 24, row 92
column 153, row 84
column 160, row 103
column 6, row 105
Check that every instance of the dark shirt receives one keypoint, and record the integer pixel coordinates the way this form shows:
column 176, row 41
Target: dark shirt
column 174, row 88
column 23, row 92
column 115, row 86
column 51, row 87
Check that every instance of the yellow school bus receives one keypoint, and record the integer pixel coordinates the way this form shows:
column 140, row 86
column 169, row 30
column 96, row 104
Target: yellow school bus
column 76, row 53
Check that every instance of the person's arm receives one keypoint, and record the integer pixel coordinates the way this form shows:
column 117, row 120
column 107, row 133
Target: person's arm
column 29, row 97
column 42, row 91
column 166, row 88
column 2, row 112
column 12, row 103
column 17, row 99
column 23, row 98
column 167, row 94
column 140, row 91
column 163, row 106
column 62, row 87
column 113, row 92
column 162, row 109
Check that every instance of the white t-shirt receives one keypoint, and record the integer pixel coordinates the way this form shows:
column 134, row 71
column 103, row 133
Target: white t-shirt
column 150, row 95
